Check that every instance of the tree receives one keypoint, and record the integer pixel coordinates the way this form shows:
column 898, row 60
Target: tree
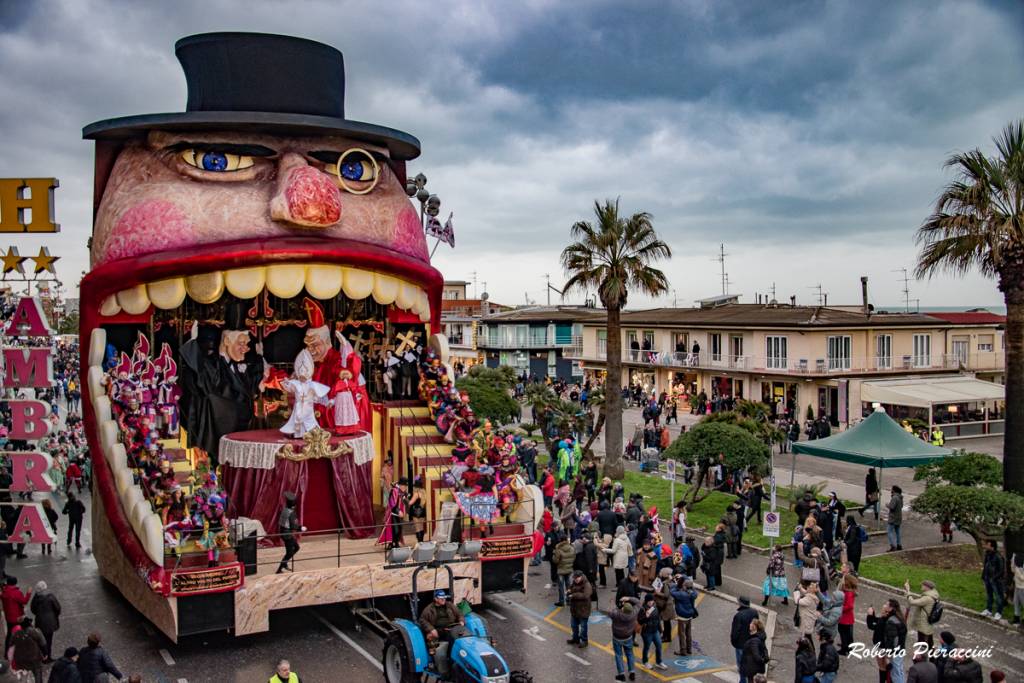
column 965, row 490
column 702, row 445
column 490, row 393
column 68, row 323
column 566, row 417
column 613, row 256
column 752, row 416
column 963, row 469
column 983, row 512
column 978, row 222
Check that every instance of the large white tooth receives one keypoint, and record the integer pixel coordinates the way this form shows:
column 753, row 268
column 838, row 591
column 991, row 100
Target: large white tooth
column 123, row 479
column 421, row 302
column 167, row 294
column 406, row 296
column 323, row 281
column 95, row 378
column 424, row 306
column 385, row 289
column 205, row 288
column 101, row 408
column 116, row 456
column 425, row 315
column 141, row 510
column 108, row 434
column 134, row 300
column 358, row 284
column 110, row 306
column 97, row 346
column 245, row 283
column 285, row 280
column 153, row 538
column 130, row 498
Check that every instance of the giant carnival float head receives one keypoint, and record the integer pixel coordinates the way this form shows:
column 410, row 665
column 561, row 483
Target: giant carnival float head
column 259, row 219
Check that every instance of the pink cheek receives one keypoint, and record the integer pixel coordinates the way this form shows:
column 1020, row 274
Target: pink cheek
column 409, row 237
column 313, row 197
column 153, row 225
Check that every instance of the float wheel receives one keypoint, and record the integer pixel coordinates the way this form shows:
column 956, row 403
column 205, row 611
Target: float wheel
column 397, row 664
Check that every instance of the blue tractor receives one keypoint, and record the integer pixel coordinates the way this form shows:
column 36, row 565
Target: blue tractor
column 465, row 654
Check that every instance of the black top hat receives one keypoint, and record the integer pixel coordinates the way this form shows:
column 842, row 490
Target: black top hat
column 260, row 82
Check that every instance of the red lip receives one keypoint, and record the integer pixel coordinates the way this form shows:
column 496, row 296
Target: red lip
column 113, row 277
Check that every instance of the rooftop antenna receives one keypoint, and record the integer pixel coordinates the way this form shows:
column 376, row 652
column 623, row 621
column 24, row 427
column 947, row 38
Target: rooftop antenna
column 822, row 296
column 475, row 296
column 773, row 292
column 906, row 288
column 726, row 282
column 721, row 260
column 550, row 288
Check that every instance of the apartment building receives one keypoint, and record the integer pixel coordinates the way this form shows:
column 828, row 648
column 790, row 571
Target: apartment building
column 800, row 358
column 534, row 339
column 460, row 317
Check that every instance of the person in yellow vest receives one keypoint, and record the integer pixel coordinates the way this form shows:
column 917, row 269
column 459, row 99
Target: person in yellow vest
column 284, row 673
column 938, row 438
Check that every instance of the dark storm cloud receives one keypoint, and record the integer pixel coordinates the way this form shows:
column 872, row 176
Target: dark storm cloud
column 758, row 124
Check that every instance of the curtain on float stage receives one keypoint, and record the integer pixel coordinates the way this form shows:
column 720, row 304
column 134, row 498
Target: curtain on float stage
column 332, row 494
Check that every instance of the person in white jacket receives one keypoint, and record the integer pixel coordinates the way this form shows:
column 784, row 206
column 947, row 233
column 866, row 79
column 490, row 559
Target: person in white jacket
column 620, row 553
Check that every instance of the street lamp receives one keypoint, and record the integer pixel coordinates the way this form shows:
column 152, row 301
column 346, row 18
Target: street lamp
column 430, row 204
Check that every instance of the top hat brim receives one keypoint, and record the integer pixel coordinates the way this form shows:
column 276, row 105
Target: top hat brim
column 400, row 145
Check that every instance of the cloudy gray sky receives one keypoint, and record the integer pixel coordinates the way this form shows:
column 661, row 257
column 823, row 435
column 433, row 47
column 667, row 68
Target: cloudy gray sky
column 809, row 137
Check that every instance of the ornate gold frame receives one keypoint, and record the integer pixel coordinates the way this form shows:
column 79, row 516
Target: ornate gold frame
column 317, row 444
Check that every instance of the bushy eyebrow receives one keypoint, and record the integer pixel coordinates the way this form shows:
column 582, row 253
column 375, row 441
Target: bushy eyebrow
column 331, row 156
column 224, row 148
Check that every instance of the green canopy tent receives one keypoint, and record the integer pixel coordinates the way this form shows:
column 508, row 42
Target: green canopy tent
column 878, row 441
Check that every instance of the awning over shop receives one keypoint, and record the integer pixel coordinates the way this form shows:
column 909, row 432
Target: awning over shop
column 878, row 441
column 923, row 393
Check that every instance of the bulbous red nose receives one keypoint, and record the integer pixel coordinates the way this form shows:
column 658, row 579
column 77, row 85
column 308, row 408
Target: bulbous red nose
column 305, row 196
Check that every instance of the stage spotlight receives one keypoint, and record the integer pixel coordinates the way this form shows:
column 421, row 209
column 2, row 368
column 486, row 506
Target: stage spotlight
column 423, row 552
column 399, row 555
column 470, row 549
column 446, row 552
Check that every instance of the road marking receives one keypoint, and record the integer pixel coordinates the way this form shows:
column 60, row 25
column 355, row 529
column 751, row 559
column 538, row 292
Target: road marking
column 168, row 659
column 182, row 680
column 577, row 659
column 355, row 646
column 533, row 634
column 496, row 615
column 730, row 676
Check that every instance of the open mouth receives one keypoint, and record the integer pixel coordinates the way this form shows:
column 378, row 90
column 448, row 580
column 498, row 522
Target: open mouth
column 367, row 291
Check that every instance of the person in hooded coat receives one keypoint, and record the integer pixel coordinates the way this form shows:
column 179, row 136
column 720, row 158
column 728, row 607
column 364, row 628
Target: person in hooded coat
column 46, row 608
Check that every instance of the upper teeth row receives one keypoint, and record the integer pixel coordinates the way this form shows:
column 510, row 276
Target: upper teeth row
column 286, row 280
column 144, row 521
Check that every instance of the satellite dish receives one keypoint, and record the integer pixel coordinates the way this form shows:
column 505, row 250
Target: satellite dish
column 485, row 296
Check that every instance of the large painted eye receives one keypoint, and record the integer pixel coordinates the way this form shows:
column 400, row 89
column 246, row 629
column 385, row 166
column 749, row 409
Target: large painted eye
column 357, row 171
column 216, row 162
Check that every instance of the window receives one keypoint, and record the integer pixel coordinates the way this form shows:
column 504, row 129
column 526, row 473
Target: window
column 538, row 335
column 883, row 351
column 522, row 336
column 648, row 344
column 455, row 333
column 716, row 347
column 552, row 364
column 986, row 342
column 922, row 350
column 736, row 346
column 602, row 342
column 775, row 352
column 839, row 352
column 508, row 336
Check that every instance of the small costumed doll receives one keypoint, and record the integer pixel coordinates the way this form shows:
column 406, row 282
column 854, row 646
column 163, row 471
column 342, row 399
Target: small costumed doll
column 348, row 390
column 306, row 393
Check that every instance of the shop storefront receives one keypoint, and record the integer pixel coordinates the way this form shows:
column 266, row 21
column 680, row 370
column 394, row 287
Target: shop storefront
column 726, row 387
column 781, row 397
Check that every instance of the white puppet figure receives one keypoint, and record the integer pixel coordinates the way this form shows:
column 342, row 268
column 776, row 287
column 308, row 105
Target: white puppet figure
column 306, row 394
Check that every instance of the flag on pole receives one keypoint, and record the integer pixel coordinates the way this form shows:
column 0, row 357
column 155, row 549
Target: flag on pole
column 448, row 231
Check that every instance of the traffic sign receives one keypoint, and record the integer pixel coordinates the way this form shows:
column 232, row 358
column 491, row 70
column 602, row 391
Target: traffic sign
column 670, row 469
column 771, row 524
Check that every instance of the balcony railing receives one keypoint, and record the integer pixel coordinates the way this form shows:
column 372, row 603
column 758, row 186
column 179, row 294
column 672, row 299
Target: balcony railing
column 530, row 342
column 797, row 366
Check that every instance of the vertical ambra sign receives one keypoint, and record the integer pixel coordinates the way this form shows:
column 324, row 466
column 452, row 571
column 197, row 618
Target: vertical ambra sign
column 28, row 368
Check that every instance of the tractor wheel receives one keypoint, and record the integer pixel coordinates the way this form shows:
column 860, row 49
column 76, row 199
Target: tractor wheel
column 398, row 662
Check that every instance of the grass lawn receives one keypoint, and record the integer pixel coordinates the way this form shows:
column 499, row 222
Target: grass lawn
column 956, row 572
column 707, row 512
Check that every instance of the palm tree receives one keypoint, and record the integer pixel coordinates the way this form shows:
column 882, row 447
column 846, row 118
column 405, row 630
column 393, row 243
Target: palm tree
column 613, row 256
column 979, row 223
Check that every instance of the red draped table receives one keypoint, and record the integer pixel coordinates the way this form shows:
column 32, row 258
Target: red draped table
column 329, row 474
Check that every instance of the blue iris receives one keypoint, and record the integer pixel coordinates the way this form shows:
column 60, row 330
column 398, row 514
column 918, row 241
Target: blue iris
column 352, row 170
column 214, row 161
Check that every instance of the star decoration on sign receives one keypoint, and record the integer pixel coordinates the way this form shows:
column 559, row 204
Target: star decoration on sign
column 44, row 262
column 12, row 261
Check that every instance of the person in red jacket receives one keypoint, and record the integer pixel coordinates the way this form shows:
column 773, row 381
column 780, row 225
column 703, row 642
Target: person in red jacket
column 13, row 602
